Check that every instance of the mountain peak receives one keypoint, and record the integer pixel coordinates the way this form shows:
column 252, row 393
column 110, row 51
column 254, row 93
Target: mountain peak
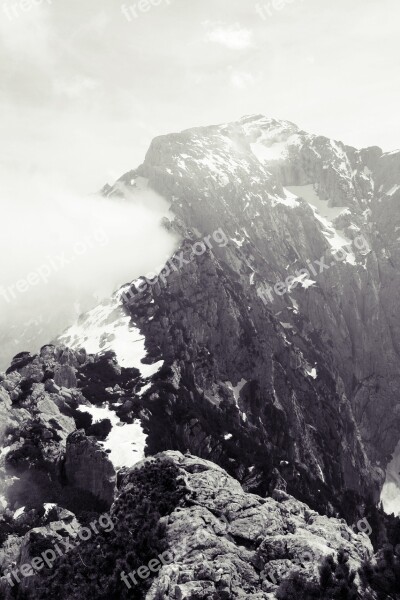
column 266, row 122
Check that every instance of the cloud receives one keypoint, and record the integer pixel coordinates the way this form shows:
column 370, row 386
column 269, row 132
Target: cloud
column 233, row 37
column 241, row 79
column 75, row 87
column 25, row 35
column 63, row 252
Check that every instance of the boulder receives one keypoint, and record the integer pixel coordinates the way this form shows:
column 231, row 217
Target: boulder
column 88, row 467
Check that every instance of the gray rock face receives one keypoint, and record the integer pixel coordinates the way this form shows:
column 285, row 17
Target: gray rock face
column 237, row 544
column 218, row 323
column 18, row 551
column 88, row 468
column 24, row 401
column 39, row 396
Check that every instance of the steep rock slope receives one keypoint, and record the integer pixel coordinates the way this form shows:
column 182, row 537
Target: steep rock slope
column 312, row 367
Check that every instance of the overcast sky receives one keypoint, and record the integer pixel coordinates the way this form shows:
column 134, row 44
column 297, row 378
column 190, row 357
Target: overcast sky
column 84, row 89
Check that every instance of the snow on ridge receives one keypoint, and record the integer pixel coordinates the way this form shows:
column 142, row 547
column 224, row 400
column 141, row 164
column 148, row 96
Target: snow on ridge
column 107, row 327
column 393, row 190
column 290, row 200
column 325, row 214
column 250, row 123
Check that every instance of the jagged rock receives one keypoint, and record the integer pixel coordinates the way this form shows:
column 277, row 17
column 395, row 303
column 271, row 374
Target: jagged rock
column 51, row 387
column 226, row 539
column 64, row 376
column 87, row 467
column 50, row 535
column 10, row 551
column 292, row 394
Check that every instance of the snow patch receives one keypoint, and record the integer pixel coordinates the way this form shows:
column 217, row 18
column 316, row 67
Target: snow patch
column 309, row 194
column 236, row 389
column 390, row 495
column 4, row 451
column 19, row 512
column 325, row 214
column 393, row 190
column 304, row 280
column 107, row 327
column 125, row 441
column 289, row 199
column 312, row 372
column 47, row 507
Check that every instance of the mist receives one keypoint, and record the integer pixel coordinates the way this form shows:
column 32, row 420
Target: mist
column 63, row 252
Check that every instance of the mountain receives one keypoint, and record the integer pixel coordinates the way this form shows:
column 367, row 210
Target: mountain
column 268, row 344
column 280, row 200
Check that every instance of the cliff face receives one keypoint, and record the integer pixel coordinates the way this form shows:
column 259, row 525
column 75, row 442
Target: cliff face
column 311, row 364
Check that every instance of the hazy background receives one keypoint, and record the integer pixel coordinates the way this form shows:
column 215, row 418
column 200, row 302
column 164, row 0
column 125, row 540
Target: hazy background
column 80, row 248
column 84, row 90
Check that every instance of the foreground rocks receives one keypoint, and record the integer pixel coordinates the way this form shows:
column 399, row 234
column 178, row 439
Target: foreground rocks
column 217, row 541
column 238, row 544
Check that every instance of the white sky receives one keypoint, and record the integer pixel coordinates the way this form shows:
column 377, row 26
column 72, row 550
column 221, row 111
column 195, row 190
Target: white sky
column 84, row 90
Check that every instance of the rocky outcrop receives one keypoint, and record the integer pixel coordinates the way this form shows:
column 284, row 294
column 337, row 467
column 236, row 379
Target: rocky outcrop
column 238, row 545
column 193, row 533
column 21, row 550
column 88, row 468
column 39, row 400
column 48, row 536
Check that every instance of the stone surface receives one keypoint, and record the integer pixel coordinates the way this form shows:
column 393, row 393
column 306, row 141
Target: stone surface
column 226, row 540
column 88, row 468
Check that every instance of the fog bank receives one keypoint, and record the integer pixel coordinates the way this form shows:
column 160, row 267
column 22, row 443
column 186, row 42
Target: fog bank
column 61, row 253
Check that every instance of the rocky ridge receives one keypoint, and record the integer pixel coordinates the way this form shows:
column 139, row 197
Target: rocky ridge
column 242, row 545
